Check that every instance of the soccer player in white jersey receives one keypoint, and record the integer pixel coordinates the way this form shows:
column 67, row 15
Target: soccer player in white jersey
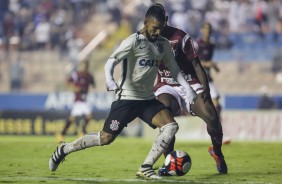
column 140, row 55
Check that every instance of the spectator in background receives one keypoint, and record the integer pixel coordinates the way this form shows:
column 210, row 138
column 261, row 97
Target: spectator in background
column 277, row 62
column 74, row 45
column 42, row 33
column 79, row 81
column 8, row 29
column 16, row 71
column 266, row 101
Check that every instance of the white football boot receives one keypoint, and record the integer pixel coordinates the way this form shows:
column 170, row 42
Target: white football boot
column 57, row 157
column 147, row 173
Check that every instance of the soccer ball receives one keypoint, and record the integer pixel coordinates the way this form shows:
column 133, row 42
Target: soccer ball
column 178, row 163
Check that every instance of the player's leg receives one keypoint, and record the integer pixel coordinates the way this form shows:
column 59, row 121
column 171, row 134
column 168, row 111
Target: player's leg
column 114, row 124
column 76, row 111
column 87, row 115
column 168, row 128
column 172, row 105
column 169, row 96
column 68, row 123
column 206, row 110
column 87, row 118
column 89, row 140
column 215, row 98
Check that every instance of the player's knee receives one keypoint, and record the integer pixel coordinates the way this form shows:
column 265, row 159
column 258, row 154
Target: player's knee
column 106, row 138
column 172, row 128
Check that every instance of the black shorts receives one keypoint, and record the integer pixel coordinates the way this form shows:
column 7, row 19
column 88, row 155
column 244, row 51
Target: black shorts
column 124, row 111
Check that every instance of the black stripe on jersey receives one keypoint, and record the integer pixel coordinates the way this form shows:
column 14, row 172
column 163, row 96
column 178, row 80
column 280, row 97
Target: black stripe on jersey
column 124, row 71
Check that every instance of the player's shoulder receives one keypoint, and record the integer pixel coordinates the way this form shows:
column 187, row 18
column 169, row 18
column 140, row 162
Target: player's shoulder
column 162, row 39
column 177, row 32
column 131, row 38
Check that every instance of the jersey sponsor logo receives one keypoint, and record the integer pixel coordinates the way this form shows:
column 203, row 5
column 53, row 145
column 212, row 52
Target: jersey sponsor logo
column 143, row 45
column 168, row 80
column 149, row 62
column 114, row 125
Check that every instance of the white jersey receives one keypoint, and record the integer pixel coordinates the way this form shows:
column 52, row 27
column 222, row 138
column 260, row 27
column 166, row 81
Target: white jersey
column 140, row 59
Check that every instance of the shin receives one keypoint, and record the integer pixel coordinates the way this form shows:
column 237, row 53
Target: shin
column 167, row 132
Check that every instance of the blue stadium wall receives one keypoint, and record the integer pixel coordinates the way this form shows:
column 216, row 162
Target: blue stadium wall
column 101, row 101
column 45, row 114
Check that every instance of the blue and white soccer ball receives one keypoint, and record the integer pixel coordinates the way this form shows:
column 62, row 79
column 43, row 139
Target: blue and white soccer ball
column 178, row 163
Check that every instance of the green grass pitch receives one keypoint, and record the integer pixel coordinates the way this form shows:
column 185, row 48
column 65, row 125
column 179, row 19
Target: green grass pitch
column 24, row 159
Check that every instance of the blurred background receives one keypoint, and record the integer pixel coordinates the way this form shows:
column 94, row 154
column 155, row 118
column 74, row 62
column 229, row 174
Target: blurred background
column 42, row 41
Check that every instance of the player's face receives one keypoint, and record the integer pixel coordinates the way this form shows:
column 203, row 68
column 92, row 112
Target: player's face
column 205, row 31
column 153, row 28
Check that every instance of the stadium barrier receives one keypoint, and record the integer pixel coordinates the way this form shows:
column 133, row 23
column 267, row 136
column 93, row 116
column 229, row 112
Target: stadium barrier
column 45, row 114
column 249, row 125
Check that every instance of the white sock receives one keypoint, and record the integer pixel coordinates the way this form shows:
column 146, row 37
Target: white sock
column 161, row 142
column 89, row 140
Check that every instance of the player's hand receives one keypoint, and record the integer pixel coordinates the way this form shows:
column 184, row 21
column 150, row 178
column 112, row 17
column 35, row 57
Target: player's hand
column 191, row 95
column 112, row 86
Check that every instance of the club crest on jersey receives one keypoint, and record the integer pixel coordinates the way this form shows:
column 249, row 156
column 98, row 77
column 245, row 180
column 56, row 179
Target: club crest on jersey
column 114, row 125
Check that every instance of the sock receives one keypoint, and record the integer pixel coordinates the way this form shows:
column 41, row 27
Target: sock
column 86, row 121
column 170, row 147
column 161, row 142
column 217, row 144
column 89, row 140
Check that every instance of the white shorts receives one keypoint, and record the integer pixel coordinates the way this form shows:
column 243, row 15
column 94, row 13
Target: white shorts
column 180, row 94
column 80, row 108
column 213, row 91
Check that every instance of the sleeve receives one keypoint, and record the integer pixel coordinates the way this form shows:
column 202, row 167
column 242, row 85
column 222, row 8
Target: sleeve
column 124, row 49
column 171, row 63
column 188, row 47
column 119, row 54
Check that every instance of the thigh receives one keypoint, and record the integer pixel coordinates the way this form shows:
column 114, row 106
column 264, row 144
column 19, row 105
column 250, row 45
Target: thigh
column 171, row 103
column 204, row 109
column 170, row 97
column 149, row 109
column 162, row 118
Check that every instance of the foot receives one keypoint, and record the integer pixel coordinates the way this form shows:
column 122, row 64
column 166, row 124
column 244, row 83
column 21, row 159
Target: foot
column 220, row 162
column 60, row 138
column 146, row 172
column 163, row 171
column 57, row 157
